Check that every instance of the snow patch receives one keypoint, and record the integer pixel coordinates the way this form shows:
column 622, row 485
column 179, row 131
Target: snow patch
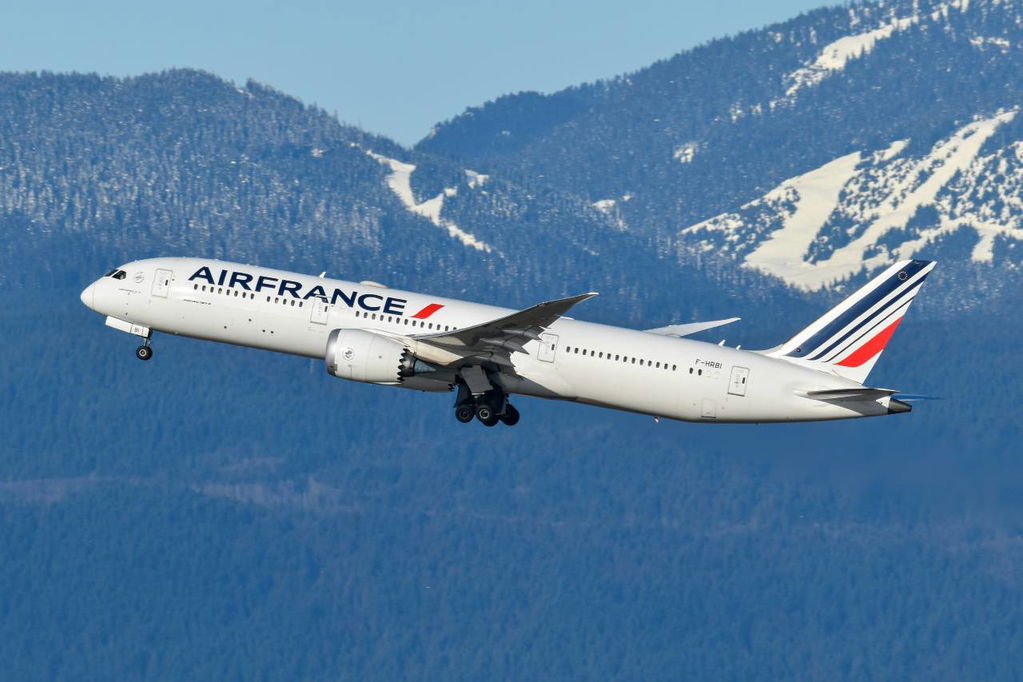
column 475, row 179
column 893, row 150
column 685, row 153
column 400, row 182
column 610, row 208
column 946, row 159
column 860, row 211
column 982, row 42
column 834, row 56
column 816, row 195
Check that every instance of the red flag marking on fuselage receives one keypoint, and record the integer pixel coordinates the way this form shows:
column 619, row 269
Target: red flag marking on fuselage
column 427, row 311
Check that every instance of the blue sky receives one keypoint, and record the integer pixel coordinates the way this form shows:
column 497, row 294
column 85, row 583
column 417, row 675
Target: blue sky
column 394, row 67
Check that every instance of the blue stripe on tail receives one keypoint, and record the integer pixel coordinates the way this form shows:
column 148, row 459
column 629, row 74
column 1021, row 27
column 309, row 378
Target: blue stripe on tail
column 812, row 345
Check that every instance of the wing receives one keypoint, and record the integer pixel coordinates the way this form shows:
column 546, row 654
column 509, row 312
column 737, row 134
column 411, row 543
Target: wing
column 498, row 339
column 691, row 328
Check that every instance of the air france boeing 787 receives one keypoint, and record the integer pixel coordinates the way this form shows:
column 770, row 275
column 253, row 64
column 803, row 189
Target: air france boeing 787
column 367, row 332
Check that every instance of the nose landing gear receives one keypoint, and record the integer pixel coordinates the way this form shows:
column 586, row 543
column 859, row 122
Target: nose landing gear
column 144, row 352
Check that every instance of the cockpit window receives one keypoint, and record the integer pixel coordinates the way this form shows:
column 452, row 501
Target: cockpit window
column 120, row 274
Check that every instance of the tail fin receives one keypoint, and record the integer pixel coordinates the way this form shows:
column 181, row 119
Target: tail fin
column 849, row 338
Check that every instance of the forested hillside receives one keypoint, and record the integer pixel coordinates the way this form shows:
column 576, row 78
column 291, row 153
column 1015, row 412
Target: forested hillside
column 221, row 513
column 836, row 93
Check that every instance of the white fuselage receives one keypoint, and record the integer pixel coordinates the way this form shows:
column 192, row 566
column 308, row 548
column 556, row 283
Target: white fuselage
column 589, row 363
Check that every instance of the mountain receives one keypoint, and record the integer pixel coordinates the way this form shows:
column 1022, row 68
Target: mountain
column 224, row 513
column 898, row 120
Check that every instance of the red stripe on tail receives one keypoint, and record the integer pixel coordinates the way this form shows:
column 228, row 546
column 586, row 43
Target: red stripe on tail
column 427, row 311
column 871, row 348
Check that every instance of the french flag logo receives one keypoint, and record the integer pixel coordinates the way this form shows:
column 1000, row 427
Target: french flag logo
column 849, row 338
column 427, row 311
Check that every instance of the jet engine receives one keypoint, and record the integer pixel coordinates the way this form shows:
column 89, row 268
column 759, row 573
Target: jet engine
column 364, row 356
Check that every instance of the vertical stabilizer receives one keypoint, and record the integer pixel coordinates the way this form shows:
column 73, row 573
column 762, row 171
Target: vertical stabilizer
column 849, row 338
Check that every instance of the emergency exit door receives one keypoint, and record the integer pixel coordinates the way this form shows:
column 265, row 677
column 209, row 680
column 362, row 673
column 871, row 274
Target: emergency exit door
column 548, row 347
column 739, row 380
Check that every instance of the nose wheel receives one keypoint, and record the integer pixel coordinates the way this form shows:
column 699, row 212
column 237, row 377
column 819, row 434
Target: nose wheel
column 144, row 352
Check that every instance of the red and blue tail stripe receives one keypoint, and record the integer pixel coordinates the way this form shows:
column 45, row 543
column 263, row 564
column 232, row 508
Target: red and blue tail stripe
column 849, row 338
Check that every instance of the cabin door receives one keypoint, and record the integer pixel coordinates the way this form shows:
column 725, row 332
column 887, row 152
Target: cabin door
column 319, row 312
column 737, row 384
column 161, row 285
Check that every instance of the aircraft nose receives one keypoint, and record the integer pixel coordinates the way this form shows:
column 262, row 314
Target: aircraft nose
column 88, row 294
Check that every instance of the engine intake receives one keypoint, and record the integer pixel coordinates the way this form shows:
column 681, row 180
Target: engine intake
column 360, row 355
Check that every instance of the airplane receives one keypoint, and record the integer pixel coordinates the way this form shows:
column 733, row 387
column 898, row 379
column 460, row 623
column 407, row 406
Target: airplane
column 367, row 332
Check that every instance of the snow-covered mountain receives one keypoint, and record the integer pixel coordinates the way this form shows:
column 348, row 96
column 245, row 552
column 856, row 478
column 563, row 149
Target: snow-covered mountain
column 802, row 153
column 866, row 209
column 810, row 150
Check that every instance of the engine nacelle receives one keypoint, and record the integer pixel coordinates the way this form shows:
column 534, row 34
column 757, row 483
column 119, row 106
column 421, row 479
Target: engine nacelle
column 364, row 356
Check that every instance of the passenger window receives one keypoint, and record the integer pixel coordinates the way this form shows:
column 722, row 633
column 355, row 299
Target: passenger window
column 616, row 357
column 674, row 367
column 699, row 372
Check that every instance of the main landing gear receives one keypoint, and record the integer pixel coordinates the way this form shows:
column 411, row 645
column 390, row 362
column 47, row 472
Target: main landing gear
column 145, row 351
column 489, row 408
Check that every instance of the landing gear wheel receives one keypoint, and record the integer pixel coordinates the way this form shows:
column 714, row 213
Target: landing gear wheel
column 485, row 413
column 510, row 416
column 143, row 352
column 464, row 413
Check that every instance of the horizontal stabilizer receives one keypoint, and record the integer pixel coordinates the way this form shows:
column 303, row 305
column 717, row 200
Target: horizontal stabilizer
column 915, row 397
column 843, row 394
column 691, row 328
